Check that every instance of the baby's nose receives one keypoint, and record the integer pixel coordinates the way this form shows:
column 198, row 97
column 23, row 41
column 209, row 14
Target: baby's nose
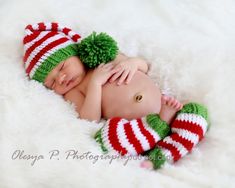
column 62, row 78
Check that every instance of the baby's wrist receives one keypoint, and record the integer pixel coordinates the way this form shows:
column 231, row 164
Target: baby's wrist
column 142, row 65
column 95, row 83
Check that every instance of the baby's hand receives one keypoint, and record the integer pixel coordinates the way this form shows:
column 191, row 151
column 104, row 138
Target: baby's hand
column 124, row 71
column 102, row 73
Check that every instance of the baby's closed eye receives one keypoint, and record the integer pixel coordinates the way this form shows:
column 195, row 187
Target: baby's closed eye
column 62, row 66
column 53, row 84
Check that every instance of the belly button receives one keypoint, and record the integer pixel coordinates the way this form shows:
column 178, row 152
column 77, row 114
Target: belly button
column 138, row 97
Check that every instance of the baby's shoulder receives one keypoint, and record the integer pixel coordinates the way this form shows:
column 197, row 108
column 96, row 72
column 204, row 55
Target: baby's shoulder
column 74, row 95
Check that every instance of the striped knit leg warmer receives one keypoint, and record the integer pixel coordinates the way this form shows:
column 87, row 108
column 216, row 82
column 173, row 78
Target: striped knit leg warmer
column 132, row 137
column 188, row 129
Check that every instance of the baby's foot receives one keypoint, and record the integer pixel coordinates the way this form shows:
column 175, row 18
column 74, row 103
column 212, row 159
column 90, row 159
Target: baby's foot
column 146, row 164
column 170, row 106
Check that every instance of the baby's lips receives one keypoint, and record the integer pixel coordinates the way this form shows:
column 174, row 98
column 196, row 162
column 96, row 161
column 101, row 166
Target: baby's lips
column 69, row 81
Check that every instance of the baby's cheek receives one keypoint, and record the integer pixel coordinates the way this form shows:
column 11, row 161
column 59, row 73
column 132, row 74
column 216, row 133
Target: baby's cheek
column 60, row 90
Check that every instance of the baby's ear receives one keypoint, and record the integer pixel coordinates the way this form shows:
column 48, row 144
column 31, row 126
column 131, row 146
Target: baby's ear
column 96, row 49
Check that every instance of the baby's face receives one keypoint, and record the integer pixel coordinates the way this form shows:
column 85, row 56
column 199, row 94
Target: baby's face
column 66, row 75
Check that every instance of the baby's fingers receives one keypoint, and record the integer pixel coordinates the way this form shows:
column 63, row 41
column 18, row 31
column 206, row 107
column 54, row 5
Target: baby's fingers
column 130, row 76
column 123, row 77
column 108, row 65
column 116, row 75
column 105, row 66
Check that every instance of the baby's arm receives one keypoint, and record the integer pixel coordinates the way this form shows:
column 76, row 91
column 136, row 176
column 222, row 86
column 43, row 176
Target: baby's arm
column 142, row 64
column 126, row 67
column 89, row 106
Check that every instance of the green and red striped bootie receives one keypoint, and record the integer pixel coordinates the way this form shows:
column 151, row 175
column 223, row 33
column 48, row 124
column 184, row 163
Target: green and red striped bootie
column 188, row 129
column 132, row 137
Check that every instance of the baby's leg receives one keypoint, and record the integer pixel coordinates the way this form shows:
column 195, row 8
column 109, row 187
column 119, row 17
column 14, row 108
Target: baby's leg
column 169, row 107
column 132, row 137
column 138, row 135
column 188, row 129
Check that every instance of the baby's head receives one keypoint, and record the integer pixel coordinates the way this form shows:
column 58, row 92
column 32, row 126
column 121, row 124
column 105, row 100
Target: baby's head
column 66, row 75
column 50, row 56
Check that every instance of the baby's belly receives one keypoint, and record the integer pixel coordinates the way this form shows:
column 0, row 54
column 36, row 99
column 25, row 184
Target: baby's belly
column 136, row 99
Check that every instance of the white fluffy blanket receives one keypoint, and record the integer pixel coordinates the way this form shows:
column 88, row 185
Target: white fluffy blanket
column 191, row 45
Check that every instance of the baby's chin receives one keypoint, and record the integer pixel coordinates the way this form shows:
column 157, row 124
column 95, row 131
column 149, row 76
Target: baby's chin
column 63, row 91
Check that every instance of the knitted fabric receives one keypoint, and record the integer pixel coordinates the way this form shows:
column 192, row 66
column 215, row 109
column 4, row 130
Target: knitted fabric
column 188, row 129
column 131, row 137
column 96, row 49
column 45, row 46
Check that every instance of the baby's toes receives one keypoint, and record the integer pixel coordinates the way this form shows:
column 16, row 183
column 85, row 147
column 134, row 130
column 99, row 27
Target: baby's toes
column 171, row 101
column 147, row 164
column 164, row 99
column 176, row 104
column 179, row 106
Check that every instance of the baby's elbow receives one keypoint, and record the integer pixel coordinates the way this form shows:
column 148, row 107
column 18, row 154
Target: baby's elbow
column 90, row 118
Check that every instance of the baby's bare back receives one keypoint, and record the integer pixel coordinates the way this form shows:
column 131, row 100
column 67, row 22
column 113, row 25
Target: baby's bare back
column 139, row 98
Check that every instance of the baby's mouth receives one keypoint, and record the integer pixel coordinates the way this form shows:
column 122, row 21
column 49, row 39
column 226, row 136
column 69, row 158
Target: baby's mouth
column 69, row 82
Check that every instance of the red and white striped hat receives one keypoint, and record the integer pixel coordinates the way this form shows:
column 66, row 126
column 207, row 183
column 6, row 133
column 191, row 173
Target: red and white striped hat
column 45, row 46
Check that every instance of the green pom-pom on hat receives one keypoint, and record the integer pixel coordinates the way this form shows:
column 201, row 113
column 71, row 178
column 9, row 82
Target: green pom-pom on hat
column 96, row 49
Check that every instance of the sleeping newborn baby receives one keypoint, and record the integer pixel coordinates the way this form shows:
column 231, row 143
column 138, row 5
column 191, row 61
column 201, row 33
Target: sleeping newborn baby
column 119, row 91
column 119, row 88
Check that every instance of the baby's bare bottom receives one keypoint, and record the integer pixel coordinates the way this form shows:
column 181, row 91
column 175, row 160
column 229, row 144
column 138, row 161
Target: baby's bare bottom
column 137, row 99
